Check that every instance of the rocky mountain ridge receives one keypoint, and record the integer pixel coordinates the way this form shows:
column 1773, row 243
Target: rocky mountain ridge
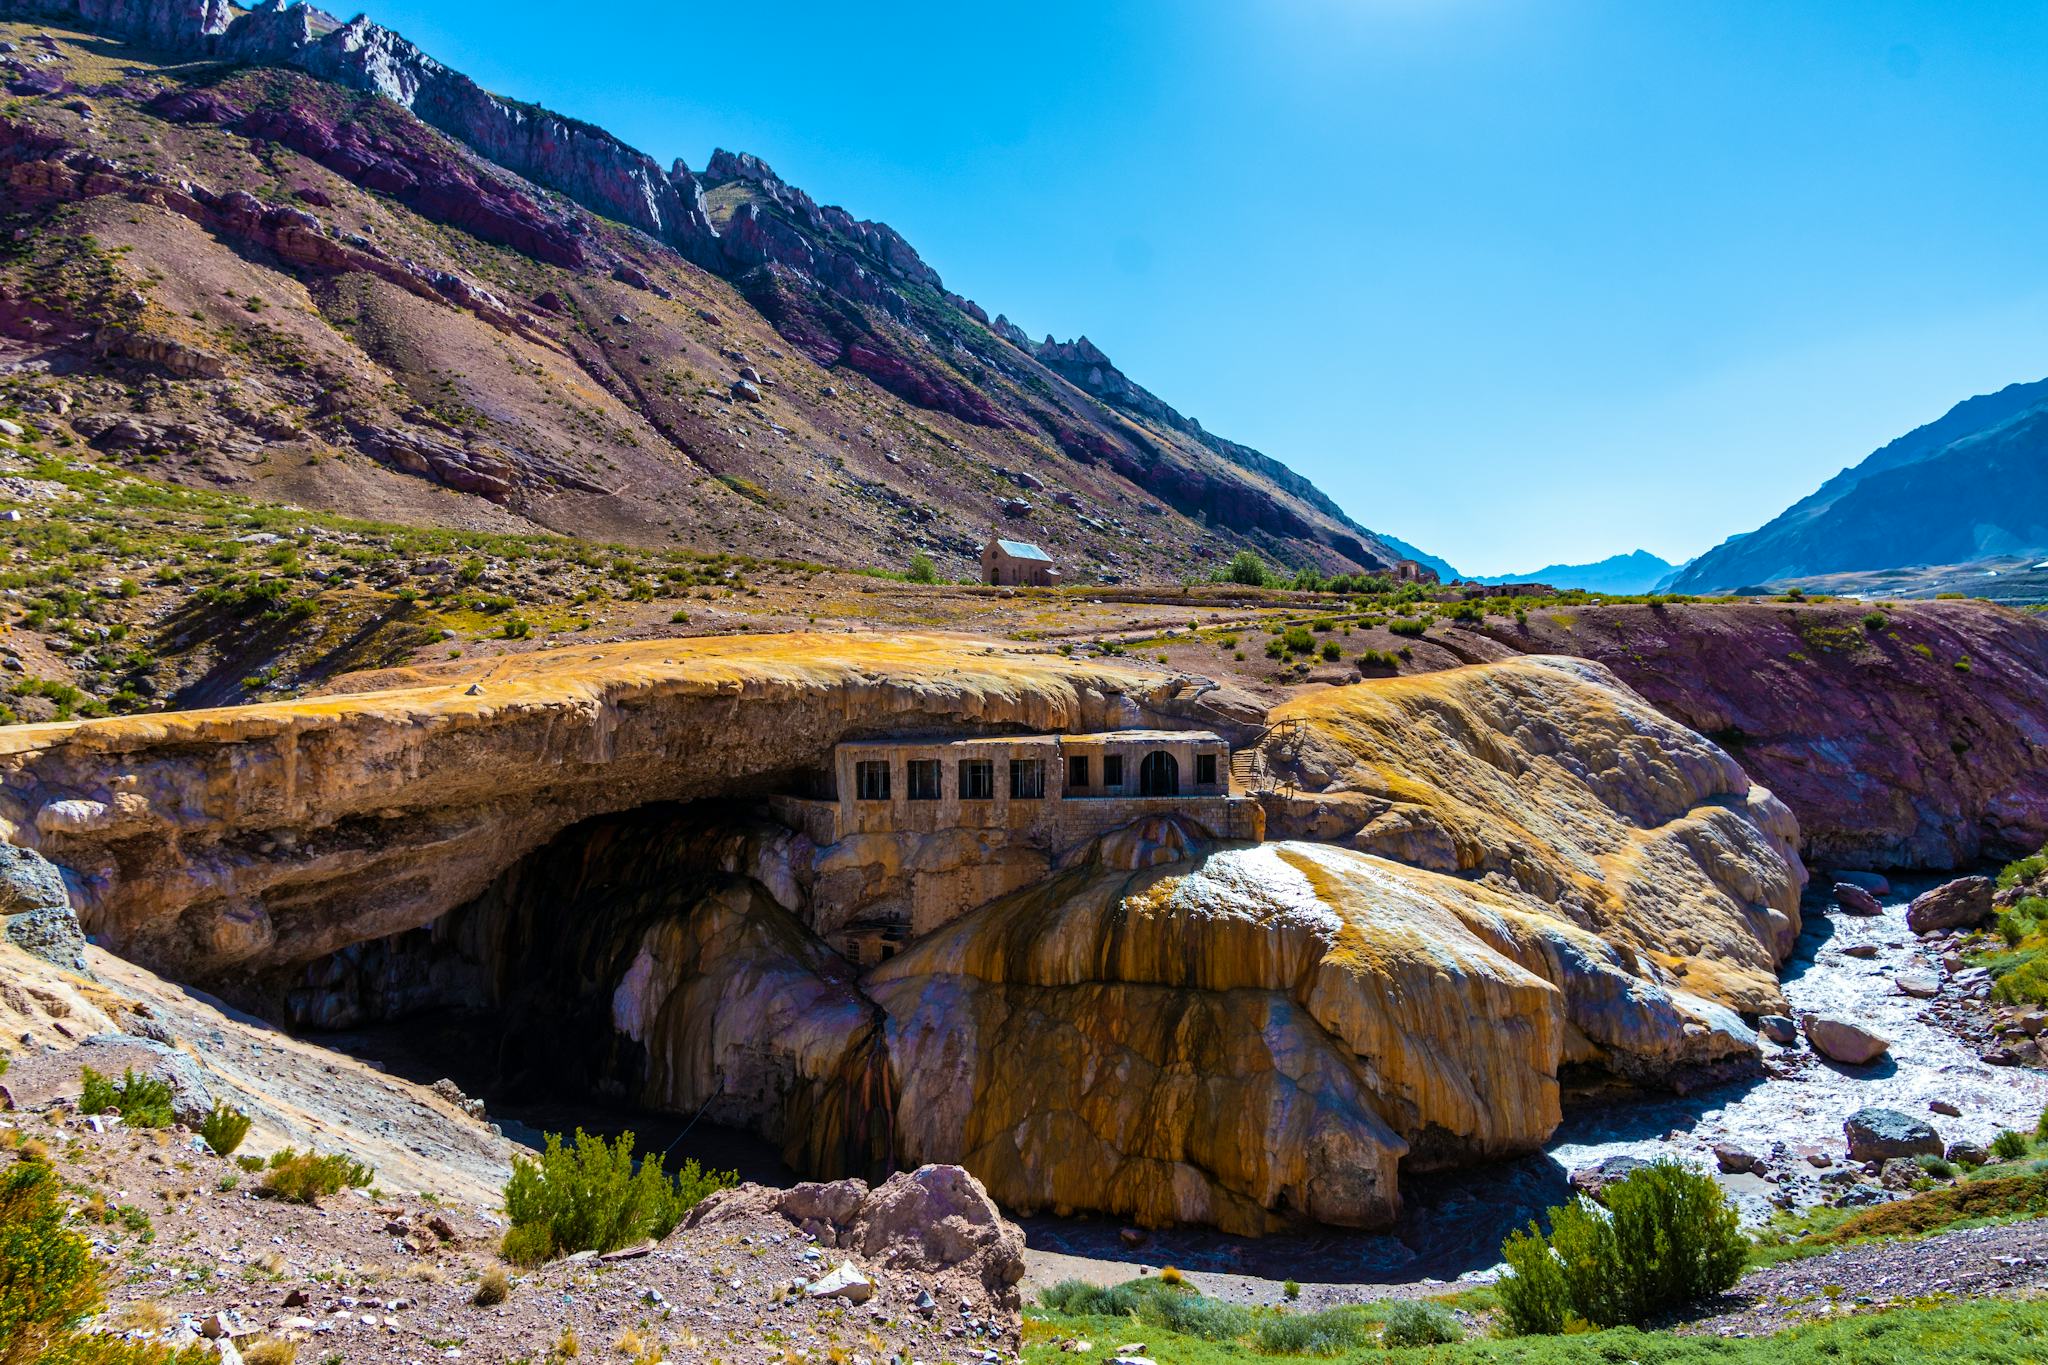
column 1964, row 487
column 626, row 280
column 1634, row 572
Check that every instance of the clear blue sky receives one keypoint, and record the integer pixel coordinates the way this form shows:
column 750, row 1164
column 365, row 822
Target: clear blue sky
column 1516, row 281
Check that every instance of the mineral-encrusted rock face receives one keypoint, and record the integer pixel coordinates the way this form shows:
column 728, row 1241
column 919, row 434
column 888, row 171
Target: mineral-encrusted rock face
column 1287, row 1025
column 270, row 835
column 1166, row 1031
column 1548, row 780
column 1915, row 743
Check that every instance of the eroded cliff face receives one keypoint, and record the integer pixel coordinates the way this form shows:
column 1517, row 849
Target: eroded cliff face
column 1542, row 872
column 1549, row 780
column 1911, row 738
column 260, row 836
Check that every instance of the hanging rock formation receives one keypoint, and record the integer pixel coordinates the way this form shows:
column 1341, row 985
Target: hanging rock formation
column 1483, row 877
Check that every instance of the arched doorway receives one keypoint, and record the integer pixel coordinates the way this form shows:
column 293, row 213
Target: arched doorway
column 1159, row 775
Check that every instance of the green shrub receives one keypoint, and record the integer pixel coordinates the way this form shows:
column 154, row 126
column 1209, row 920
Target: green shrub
column 224, row 1129
column 589, row 1196
column 922, row 570
column 1299, row 640
column 2010, row 1146
column 2025, row 870
column 1409, row 627
column 1937, row 1167
column 1876, row 620
column 1413, row 1322
column 1248, row 569
column 1276, row 648
column 494, row 1288
column 139, row 1100
column 1667, row 1238
column 1332, row 651
column 1301, row 1334
column 1370, row 659
column 1078, row 1298
column 1192, row 1315
column 48, row 1282
column 1292, row 1289
column 307, row 1178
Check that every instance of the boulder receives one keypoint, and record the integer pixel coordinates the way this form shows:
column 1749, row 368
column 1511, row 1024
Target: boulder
column 1735, row 1160
column 1863, row 951
column 1876, row 883
column 1961, row 904
column 1886, row 1134
column 1592, row 1181
column 1966, row 1153
column 1779, row 1029
column 35, row 910
column 1920, row 984
column 935, row 1221
column 1844, row 1042
column 1855, row 900
column 745, row 391
column 1947, row 1107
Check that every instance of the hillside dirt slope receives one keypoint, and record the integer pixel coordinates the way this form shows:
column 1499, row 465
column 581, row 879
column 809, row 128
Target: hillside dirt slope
column 254, row 276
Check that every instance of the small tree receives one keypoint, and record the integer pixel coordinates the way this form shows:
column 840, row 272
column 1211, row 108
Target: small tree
column 922, row 570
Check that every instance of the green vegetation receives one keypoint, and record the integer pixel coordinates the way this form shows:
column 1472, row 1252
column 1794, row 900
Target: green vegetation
column 590, row 1196
column 139, row 1100
column 922, row 570
column 306, row 1178
column 1975, row 1332
column 2019, row 972
column 49, row 1283
column 1415, row 1322
column 224, row 1129
column 1668, row 1238
column 1408, row 626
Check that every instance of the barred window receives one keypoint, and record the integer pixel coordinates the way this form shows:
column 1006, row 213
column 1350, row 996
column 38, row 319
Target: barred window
column 1205, row 770
column 1077, row 771
column 922, row 776
column 977, row 779
column 1112, row 772
column 1027, row 779
column 871, row 779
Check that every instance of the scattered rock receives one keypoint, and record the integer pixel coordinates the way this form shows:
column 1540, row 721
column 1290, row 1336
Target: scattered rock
column 1948, row 1107
column 1779, row 1029
column 1865, row 951
column 1876, row 883
column 1921, row 985
column 843, row 1283
column 1844, row 1042
column 1967, row 1153
column 1884, row 1134
column 1960, row 904
column 1854, row 900
column 745, row 391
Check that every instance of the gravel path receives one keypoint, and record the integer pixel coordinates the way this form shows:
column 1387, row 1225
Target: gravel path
column 1973, row 1263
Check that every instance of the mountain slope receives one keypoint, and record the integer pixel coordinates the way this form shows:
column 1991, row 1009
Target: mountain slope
column 279, row 251
column 1637, row 571
column 1966, row 486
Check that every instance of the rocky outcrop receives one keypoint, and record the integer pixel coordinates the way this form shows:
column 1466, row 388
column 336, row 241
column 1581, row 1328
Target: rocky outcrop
column 1549, row 781
column 35, row 909
column 270, row 835
column 1910, row 736
column 936, row 1223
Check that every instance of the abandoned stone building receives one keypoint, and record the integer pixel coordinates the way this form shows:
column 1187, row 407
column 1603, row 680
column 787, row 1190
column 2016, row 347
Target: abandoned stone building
column 914, row 833
column 1016, row 564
